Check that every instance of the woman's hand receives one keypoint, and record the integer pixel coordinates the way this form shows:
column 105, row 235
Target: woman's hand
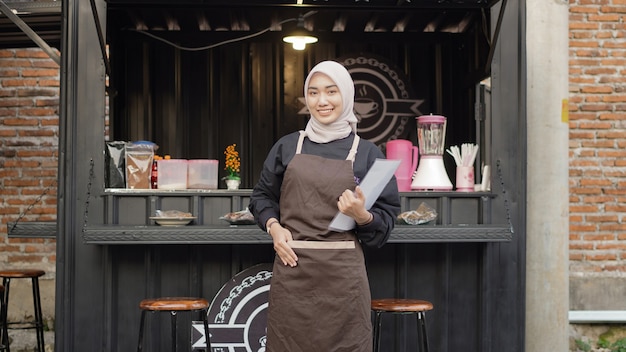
column 353, row 205
column 281, row 237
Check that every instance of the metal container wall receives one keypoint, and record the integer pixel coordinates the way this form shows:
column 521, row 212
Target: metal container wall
column 477, row 287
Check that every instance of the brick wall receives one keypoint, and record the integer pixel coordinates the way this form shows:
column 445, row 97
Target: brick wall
column 29, row 108
column 597, row 114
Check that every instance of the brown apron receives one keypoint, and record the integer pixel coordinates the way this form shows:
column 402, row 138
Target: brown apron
column 322, row 304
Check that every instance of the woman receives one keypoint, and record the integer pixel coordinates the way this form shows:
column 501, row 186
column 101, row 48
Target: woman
column 319, row 298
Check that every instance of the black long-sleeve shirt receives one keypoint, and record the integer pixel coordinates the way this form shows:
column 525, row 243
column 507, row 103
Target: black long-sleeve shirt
column 264, row 201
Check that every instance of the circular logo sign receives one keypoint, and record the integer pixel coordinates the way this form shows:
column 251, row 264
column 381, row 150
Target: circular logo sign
column 238, row 313
column 384, row 101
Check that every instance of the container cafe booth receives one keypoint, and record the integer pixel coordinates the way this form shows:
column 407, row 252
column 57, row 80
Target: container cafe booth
column 196, row 76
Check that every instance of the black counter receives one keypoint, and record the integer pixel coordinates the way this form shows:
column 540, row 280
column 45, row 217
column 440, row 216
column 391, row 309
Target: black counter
column 462, row 217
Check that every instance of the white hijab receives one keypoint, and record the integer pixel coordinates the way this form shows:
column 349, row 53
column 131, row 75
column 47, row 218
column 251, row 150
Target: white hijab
column 346, row 123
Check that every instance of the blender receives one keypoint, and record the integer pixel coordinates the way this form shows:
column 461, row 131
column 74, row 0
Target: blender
column 431, row 173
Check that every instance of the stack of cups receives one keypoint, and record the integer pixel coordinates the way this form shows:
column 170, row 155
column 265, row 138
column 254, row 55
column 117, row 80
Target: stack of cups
column 407, row 153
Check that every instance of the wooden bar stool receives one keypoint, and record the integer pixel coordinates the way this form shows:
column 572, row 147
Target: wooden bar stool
column 4, row 333
column 37, row 324
column 402, row 306
column 174, row 305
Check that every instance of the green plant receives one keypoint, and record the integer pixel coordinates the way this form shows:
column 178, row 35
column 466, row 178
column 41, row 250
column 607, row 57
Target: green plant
column 583, row 345
column 619, row 346
column 604, row 343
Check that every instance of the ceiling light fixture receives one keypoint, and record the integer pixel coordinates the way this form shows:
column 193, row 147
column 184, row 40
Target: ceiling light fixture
column 300, row 37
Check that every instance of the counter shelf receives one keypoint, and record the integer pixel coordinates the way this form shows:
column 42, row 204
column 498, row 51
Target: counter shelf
column 251, row 234
column 462, row 217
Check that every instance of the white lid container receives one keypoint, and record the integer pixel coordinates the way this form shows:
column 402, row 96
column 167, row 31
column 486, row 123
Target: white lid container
column 202, row 174
column 172, row 174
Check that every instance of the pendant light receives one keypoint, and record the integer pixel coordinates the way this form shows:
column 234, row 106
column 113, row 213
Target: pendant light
column 300, row 37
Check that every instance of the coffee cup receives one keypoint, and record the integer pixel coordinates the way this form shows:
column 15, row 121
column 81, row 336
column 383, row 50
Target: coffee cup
column 365, row 107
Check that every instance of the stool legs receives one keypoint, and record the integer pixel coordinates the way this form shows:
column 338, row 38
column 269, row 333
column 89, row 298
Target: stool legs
column 173, row 327
column 38, row 315
column 422, row 337
column 141, row 324
column 205, row 321
column 377, row 323
column 5, row 303
column 38, row 325
column 173, row 323
column 4, row 333
column 421, row 331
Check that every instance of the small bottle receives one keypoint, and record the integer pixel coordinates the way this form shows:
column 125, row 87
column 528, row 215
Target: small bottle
column 155, row 173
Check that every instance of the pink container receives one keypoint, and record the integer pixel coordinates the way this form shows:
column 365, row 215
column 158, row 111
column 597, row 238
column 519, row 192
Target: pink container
column 202, row 174
column 172, row 174
column 407, row 153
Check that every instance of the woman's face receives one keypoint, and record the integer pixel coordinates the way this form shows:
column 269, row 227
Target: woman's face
column 324, row 99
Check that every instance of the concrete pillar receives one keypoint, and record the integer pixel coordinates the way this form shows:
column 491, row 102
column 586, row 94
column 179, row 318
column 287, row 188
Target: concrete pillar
column 547, row 299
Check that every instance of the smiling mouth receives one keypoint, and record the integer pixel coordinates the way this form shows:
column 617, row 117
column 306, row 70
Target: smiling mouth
column 325, row 111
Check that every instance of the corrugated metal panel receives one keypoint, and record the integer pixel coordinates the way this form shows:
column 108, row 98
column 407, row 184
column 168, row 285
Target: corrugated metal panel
column 44, row 17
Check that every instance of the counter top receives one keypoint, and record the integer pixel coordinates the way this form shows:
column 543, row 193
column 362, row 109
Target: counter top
column 462, row 217
column 251, row 234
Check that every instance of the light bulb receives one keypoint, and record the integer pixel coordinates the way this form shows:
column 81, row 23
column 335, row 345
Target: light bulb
column 299, row 42
column 300, row 37
column 299, row 45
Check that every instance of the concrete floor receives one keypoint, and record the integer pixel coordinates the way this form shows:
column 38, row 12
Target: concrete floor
column 26, row 341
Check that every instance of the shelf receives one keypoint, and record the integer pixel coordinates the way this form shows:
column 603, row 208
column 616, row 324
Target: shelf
column 462, row 217
column 118, row 234
column 251, row 234
column 34, row 229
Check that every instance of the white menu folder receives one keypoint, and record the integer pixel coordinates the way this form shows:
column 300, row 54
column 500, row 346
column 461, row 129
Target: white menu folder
column 372, row 185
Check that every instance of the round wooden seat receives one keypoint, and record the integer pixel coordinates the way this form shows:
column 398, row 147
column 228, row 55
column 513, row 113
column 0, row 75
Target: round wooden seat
column 402, row 306
column 174, row 303
column 21, row 273
column 37, row 324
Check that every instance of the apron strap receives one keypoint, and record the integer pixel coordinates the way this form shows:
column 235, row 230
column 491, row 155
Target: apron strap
column 300, row 141
column 355, row 146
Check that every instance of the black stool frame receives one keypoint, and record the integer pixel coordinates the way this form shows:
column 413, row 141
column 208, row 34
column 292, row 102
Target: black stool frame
column 422, row 337
column 173, row 315
column 37, row 324
column 4, row 331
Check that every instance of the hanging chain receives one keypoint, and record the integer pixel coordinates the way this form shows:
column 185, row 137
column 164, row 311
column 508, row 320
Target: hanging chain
column 506, row 200
column 32, row 205
column 91, row 177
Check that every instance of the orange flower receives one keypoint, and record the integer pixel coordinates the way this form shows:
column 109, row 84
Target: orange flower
column 232, row 162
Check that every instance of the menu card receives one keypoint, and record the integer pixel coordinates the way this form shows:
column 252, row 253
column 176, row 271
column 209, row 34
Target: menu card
column 372, row 185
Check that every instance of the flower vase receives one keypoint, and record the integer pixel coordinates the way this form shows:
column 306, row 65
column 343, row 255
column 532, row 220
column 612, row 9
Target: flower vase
column 232, row 184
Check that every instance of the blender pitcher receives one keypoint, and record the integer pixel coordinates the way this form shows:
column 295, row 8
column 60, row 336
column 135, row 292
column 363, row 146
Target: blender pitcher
column 431, row 173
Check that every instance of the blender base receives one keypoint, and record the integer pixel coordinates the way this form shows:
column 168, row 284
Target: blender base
column 431, row 175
